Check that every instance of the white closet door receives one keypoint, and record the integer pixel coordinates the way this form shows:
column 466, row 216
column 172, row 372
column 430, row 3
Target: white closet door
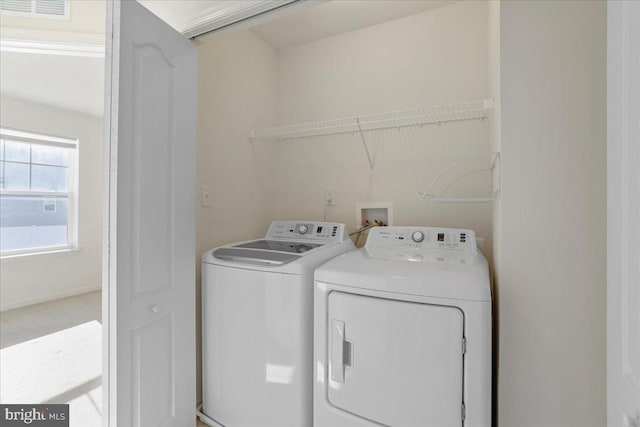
column 395, row 363
column 151, row 134
column 623, row 212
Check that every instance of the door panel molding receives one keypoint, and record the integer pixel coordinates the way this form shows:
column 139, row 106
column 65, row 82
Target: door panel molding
column 153, row 189
column 150, row 356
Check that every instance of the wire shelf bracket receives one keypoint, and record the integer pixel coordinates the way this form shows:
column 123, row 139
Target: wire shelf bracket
column 364, row 144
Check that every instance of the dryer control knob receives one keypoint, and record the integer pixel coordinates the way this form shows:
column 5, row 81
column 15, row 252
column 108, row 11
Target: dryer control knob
column 303, row 229
column 417, row 236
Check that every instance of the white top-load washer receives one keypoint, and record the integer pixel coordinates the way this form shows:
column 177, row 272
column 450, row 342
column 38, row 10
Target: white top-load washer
column 403, row 332
column 257, row 324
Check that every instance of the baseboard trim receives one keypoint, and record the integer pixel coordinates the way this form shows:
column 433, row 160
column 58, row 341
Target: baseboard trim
column 49, row 298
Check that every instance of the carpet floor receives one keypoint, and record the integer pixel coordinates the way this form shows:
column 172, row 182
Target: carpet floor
column 52, row 353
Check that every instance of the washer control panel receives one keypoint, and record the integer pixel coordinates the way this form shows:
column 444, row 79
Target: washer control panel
column 443, row 239
column 306, row 231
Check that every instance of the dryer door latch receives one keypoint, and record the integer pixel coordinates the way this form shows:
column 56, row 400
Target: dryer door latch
column 336, row 364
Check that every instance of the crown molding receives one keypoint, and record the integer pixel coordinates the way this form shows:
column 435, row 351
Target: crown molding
column 228, row 13
column 52, row 43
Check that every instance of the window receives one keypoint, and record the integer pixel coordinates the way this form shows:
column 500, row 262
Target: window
column 45, row 9
column 38, row 189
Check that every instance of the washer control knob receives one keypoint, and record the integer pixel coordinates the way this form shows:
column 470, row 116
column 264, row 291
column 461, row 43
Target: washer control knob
column 303, row 229
column 417, row 236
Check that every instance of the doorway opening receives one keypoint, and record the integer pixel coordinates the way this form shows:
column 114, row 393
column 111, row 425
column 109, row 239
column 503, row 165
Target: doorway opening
column 51, row 207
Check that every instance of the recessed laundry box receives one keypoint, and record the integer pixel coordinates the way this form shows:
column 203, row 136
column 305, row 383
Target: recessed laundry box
column 403, row 332
column 257, row 321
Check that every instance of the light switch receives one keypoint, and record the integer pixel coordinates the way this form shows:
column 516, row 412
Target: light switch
column 205, row 196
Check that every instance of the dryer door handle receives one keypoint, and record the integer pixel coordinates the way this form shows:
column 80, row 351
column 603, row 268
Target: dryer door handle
column 336, row 364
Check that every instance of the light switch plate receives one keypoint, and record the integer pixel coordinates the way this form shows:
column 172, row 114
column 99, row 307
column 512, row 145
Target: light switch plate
column 205, row 196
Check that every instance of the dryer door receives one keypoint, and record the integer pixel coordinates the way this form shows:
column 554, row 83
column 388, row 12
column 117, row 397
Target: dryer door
column 393, row 362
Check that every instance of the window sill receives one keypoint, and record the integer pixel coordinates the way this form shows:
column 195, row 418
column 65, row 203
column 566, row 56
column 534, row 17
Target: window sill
column 41, row 254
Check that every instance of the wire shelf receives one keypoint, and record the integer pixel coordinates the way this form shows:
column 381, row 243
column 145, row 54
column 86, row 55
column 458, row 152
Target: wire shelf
column 396, row 119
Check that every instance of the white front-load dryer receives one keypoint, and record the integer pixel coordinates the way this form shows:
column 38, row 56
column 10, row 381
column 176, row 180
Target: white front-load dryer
column 257, row 324
column 402, row 333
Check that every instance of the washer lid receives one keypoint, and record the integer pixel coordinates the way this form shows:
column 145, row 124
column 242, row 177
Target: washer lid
column 279, row 245
column 289, row 248
column 251, row 256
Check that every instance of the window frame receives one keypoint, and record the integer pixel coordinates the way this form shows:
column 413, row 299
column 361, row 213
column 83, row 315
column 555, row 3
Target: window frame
column 8, row 134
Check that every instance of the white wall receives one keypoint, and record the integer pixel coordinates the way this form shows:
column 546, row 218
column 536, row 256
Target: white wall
column 551, row 270
column 434, row 57
column 237, row 92
column 30, row 279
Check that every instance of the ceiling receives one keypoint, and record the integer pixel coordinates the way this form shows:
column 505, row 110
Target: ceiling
column 321, row 19
column 68, row 82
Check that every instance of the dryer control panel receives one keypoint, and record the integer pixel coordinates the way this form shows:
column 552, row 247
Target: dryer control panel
column 306, row 231
column 441, row 239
